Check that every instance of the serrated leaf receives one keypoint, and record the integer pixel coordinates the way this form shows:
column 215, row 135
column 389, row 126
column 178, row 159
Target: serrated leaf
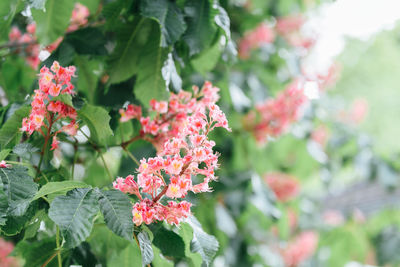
column 201, row 26
column 15, row 224
column 168, row 15
column 25, row 150
column 19, row 188
column 35, row 253
column 98, row 121
column 11, row 127
column 130, row 256
column 53, row 22
column 59, row 187
column 145, row 248
column 203, row 243
column 117, row 211
column 74, row 214
column 150, row 82
column 131, row 40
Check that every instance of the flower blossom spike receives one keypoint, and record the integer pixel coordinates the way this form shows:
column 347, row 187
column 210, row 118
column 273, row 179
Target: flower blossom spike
column 179, row 130
column 46, row 110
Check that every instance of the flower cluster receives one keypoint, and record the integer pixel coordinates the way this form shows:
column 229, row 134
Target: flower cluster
column 5, row 250
column 289, row 28
column 284, row 186
column 179, row 131
column 27, row 43
column 300, row 249
column 46, row 110
column 254, row 39
column 273, row 117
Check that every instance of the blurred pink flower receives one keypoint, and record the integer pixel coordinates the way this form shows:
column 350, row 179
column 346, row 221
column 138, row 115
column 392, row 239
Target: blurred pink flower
column 333, row 218
column 359, row 110
column 5, row 249
column 320, row 135
column 283, row 185
column 263, row 34
column 300, row 249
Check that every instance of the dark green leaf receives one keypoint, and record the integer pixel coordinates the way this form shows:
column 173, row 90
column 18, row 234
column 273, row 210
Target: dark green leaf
column 145, row 248
column 53, row 22
column 3, row 204
column 117, row 211
column 168, row 15
column 15, row 224
column 74, row 214
column 19, row 188
column 159, row 260
column 59, row 187
column 169, row 243
column 201, row 26
column 98, row 121
column 87, row 41
column 11, row 128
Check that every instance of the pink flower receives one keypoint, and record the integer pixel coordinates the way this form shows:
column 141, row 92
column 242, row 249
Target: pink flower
column 284, row 186
column 261, row 35
column 79, row 17
column 131, row 112
column 300, row 249
column 179, row 130
column 3, row 164
column 54, row 143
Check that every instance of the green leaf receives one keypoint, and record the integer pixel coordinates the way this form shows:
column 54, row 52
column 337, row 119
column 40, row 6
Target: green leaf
column 186, row 232
column 36, row 253
column 25, row 150
column 201, row 26
column 33, row 226
column 131, row 40
column 59, row 187
column 11, row 128
column 117, row 211
column 19, row 188
column 105, row 243
column 145, row 248
column 87, row 41
column 4, row 153
column 203, row 243
column 170, row 243
column 98, row 121
column 15, row 224
column 130, row 256
column 168, row 15
column 53, row 22
column 92, row 5
column 8, row 9
column 207, row 60
column 38, row 4
column 159, row 260
column 74, row 214
column 150, row 82
column 3, row 205
column 87, row 77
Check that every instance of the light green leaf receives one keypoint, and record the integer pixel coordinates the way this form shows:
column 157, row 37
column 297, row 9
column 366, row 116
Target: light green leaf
column 186, row 232
column 19, row 188
column 36, row 253
column 11, row 128
column 201, row 26
column 168, row 15
column 130, row 256
column 117, row 211
column 159, row 260
column 98, row 121
column 3, row 205
column 59, row 187
column 74, row 214
column 87, row 78
column 4, row 153
column 64, row 98
column 207, row 60
column 53, row 22
column 8, row 9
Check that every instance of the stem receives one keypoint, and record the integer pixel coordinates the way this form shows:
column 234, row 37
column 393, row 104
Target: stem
column 130, row 141
column 74, row 160
column 131, row 156
column 137, row 241
column 49, row 259
column 105, row 166
column 16, row 44
column 46, row 140
column 58, row 247
column 161, row 194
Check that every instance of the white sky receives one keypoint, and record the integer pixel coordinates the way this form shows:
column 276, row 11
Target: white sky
column 360, row 19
